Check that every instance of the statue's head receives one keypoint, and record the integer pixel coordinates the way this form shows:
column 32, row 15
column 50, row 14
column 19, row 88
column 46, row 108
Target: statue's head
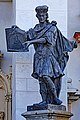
column 42, row 13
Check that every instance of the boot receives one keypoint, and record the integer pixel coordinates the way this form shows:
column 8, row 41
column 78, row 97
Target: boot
column 43, row 92
column 56, row 100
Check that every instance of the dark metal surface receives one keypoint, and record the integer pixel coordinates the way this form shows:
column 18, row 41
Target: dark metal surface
column 46, row 107
column 14, row 38
column 51, row 54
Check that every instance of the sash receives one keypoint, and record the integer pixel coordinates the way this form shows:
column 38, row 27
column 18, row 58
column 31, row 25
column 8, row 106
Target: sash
column 38, row 35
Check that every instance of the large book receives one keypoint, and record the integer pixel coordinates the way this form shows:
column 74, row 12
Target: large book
column 15, row 37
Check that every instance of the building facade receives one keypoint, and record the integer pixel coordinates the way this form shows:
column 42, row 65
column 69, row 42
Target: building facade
column 25, row 89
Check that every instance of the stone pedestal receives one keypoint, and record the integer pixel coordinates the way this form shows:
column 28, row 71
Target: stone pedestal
column 52, row 112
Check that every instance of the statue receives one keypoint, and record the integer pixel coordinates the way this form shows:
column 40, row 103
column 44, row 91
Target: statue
column 50, row 57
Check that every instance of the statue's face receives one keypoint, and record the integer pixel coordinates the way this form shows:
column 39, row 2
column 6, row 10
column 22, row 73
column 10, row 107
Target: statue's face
column 42, row 18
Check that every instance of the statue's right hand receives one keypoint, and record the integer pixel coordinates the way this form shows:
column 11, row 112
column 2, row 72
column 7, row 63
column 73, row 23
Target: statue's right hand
column 26, row 46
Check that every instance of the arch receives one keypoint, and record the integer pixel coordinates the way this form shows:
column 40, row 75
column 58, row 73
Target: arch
column 5, row 81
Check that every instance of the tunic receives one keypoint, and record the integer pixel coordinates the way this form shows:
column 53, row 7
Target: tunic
column 50, row 58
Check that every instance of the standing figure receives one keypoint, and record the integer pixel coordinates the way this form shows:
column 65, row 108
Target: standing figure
column 50, row 57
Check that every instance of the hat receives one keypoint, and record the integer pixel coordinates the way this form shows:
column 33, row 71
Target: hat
column 41, row 9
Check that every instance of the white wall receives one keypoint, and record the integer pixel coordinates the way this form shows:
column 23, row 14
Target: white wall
column 73, row 26
column 75, row 110
column 27, row 88
column 73, row 67
column 73, row 17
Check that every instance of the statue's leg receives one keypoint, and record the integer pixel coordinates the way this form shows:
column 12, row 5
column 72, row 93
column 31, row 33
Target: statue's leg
column 49, row 97
column 57, row 83
column 43, row 90
column 51, row 87
column 45, row 93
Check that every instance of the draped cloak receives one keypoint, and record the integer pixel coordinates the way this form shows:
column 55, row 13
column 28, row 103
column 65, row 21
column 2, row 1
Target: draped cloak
column 51, row 57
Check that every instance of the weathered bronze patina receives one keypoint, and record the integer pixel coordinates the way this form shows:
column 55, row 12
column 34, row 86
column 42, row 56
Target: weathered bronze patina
column 51, row 54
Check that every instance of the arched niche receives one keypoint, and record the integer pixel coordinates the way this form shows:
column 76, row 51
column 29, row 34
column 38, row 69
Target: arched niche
column 5, row 96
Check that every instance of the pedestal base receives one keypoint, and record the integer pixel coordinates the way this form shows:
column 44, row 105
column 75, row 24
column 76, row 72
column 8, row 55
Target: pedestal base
column 48, row 114
column 46, row 107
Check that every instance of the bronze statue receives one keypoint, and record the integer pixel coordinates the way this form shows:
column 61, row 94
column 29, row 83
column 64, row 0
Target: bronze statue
column 50, row 57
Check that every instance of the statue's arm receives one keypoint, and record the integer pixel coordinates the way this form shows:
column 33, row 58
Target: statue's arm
column 40, row 40
column 28, row 37
column 69, row 44
column 47, row 39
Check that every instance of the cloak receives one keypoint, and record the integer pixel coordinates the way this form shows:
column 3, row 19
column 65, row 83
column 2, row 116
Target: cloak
column 50, row 58
column 63, row 46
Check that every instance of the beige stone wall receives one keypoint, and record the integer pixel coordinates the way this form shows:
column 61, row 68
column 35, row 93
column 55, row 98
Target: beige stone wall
column 7, row 19
column 2, row 98
column 5, row 96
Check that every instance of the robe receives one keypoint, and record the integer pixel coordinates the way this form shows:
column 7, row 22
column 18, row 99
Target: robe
column 51, row 57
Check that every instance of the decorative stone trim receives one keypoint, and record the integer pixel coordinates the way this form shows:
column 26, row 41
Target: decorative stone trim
column 1, row 56
column 5, row 0
column 6, row 85
column 47, row 115
column 73, row 93
column 1, row 115
column 8, row 98
column 73, row 96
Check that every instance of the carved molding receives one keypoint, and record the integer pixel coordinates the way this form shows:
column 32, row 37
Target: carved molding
column 1, row 115
column 8, row 98
column 1, row 56
column 73, row 96
column 1, row 86
column 6, row 81
column 6, row 85
column 5, row 0
column 73, row 93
